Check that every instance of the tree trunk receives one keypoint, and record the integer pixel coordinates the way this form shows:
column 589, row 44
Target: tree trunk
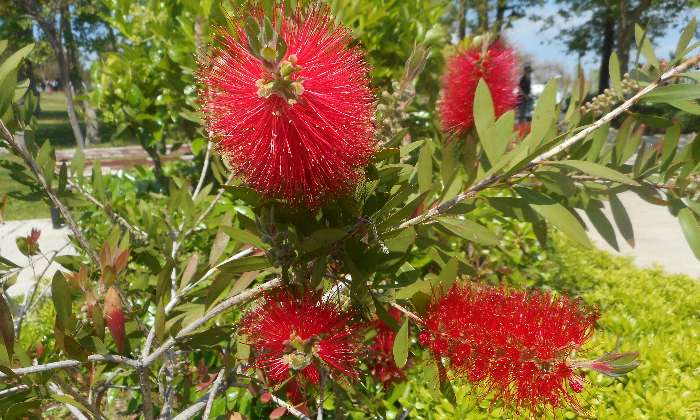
column 56, row 43
column 500, row 15
column 605, row 51
column 462, row 22
column 482, row 9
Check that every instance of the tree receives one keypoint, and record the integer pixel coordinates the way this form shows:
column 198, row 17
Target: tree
column 54, row 20
column 481, row 16
column 610, row 26
column 335, row 236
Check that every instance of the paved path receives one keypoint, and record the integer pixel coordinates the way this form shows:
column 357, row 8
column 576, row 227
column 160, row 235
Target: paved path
column 50, row 240
column 658, row 237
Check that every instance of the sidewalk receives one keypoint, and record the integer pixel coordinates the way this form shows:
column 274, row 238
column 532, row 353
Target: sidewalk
column 658, row 237
column 50, row 240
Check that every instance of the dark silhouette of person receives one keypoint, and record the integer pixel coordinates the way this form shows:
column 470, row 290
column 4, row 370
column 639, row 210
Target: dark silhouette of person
column 525, row 95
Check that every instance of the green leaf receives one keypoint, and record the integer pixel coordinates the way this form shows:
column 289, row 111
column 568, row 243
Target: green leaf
column 425, row 168
column 400, row 348
column 645, row 46
column 596, row 170
column 614, row 68
column 448, row 275
column 60, row 294
column 469, row 230
column 244, row 236
column 622, row 219
column 543, row 116
column 159, row 322
column 66, row 399
column 691, row 230
column 12, row 62
column 321, row 239
column 244, row 264
column 689, row 106
column 7, row 328
column 556, row 214
column 686, row 37
column 673, row 93
column 603, row 226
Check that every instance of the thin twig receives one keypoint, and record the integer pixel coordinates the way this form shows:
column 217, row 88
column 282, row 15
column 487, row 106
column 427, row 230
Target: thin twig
column 217, row 310
column 581, row 135
column 212, row 393
column 73, row 409
column 290, row 408
column 135, row 231
column 79, row 398
column 147, row 404
column 39, row 175
column 408, row 313
column 29, row 298
column 203, row 175
column 65, row 364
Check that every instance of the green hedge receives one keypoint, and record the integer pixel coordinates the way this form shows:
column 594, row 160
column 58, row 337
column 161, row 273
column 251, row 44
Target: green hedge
column 650, row 311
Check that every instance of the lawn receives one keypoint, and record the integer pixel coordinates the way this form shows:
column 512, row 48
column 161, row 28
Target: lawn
column 22, row 202
column 53, row 121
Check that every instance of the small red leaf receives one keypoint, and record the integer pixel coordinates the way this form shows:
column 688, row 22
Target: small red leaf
column 277, row 413
column 265, row 397
column 114, row 318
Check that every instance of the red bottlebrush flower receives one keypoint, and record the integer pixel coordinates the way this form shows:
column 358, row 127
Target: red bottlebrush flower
column 514, row 344
column 114, row 318
column 499, row 69
column 299, row 130
column 290, row 335
column 381, row 357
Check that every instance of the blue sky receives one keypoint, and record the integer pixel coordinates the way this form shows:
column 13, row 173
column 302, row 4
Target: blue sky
column 526, row 36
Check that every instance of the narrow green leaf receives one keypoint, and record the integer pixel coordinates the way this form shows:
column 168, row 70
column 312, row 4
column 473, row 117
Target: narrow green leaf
column 543, row 116
column 12, row 62
column 595, row 169
column 244, row 236
column 622, row 219
column 244, row 264
column 400, row 348
column 448, row 275
column 615, row 77
column 469, row 230
column 7, row 329
column 556, row 214
column 425, row 168
column 644, row 44
column 673, row 93
column 686, row 37
column 62, row 302
column 689, row 106
column 691, row 229
column 322, row 238
column 66, row 399
column 603, row 226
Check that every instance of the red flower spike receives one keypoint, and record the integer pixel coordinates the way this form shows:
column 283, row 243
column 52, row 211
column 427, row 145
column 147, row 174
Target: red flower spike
column 515, row 345
column 292, row 335
column 381, row 359
column 300, row 133
column 499, row 69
